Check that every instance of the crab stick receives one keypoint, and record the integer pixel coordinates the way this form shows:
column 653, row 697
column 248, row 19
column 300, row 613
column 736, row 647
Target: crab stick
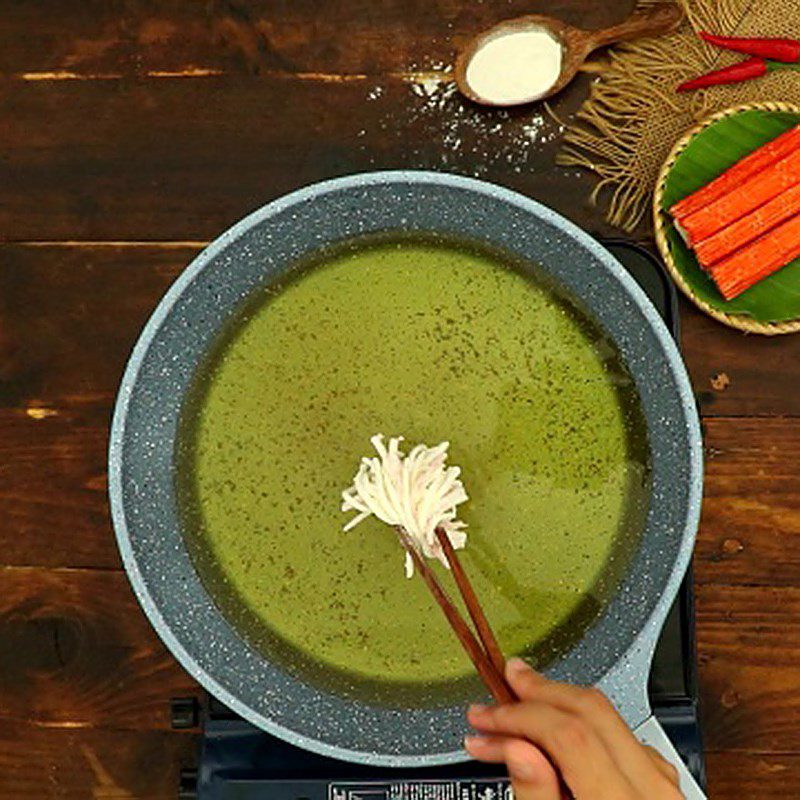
column 751, row 194
column 743, row 169
column 750, row 227
column 759, row 259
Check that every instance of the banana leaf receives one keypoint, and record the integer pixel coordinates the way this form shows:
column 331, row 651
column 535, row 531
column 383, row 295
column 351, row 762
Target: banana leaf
column 708, row 154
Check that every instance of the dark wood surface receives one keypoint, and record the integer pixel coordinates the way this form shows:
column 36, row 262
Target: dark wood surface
column 133, row 132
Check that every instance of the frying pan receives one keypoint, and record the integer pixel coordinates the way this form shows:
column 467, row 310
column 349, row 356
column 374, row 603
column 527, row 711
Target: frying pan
column 614, row 653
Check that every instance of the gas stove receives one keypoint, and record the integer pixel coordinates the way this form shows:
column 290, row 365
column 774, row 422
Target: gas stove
column 238, row 761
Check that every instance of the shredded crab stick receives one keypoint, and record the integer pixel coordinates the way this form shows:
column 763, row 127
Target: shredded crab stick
column 418, row 492
column 749, row 227
column 756, row 191
column 743, row 169
column 759, row 259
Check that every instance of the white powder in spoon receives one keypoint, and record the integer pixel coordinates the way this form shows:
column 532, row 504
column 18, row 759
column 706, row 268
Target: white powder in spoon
column 515, row 67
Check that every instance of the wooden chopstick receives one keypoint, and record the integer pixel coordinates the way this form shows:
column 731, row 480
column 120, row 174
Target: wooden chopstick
column 485, row 632
column 491, row 649
column 488, row 660
column 494, row 680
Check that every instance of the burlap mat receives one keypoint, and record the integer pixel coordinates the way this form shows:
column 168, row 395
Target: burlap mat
column 633, row 116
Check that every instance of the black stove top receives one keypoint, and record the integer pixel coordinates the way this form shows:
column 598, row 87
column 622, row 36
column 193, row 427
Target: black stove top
column 240, row 762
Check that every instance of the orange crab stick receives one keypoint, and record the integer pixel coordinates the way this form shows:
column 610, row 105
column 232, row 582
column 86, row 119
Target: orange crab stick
column 759, row 259
column 756, row 191
column 749, row 227
column 743, row 169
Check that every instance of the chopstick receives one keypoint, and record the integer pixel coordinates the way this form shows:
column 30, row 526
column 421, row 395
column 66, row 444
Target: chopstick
column 488, row 659
column 472, row 603
column 485, row 662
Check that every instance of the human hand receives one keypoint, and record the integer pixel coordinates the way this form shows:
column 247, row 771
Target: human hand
column 574, row 730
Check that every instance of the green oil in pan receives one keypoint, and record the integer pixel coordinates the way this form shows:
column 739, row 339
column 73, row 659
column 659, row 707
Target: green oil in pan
column 432, row 340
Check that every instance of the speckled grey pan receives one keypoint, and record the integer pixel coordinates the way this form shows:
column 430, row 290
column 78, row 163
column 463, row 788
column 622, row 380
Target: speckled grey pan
column 614, row 653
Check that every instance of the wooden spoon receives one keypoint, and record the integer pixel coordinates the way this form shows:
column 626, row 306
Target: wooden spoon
column 576, row 44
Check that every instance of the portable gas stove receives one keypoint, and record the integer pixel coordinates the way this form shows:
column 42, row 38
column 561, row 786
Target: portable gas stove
column 238, row 761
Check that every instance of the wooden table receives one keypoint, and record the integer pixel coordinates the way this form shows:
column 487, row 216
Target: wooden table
column 133, row 132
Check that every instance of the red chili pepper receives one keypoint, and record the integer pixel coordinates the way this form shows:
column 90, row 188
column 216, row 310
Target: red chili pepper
column 743, row 71
column 777, row 49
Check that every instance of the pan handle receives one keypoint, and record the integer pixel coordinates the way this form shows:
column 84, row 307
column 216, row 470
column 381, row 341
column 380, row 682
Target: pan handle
column 651, row 733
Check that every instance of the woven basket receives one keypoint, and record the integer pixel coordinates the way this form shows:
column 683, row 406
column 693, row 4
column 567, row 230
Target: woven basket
column 741, row 321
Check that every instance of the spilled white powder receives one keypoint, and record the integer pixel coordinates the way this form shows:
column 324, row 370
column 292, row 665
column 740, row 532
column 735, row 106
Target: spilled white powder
column 426, row 85
column 533, row 130
column 417, row 492
column 515, row 67
column 436, row 128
